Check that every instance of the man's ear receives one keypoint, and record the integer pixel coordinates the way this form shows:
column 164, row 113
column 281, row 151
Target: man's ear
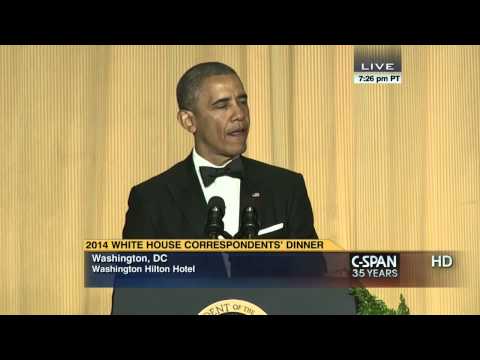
column 186, row 118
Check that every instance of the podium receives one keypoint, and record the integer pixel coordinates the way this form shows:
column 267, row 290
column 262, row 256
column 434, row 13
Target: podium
column 256, row 283
column 270, row 301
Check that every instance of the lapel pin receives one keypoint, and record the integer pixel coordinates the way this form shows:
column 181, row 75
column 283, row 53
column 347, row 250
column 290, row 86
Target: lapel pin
column 256, row 195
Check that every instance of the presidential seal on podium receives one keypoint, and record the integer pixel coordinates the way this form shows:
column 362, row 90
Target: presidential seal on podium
column 232, row 307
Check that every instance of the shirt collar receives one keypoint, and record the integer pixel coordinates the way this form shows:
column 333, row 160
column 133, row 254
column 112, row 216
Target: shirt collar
column 198, row 161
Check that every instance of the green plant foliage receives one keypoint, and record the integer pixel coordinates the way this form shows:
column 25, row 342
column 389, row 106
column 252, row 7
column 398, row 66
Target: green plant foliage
column 368, row 304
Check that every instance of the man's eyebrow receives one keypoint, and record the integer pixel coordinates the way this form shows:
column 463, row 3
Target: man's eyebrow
column 221, row 100
column 227, row 98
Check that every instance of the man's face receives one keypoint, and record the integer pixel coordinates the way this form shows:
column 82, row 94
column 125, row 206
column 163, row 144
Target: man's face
column 221, row 118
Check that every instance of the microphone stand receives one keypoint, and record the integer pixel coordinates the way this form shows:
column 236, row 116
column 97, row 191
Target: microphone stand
column 226, row 235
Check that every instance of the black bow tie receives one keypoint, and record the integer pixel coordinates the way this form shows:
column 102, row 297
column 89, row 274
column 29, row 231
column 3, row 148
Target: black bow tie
column 209, row 174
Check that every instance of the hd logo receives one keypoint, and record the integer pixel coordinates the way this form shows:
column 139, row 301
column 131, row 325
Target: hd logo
column 375, row 265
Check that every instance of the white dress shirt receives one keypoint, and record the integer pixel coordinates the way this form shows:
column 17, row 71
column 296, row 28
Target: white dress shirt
column 226, row 187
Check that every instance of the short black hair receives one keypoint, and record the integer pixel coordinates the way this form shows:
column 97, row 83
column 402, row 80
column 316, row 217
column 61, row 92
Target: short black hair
column 191, row 81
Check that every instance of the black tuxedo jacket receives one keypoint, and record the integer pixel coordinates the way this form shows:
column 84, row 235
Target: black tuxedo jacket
column 172, row 205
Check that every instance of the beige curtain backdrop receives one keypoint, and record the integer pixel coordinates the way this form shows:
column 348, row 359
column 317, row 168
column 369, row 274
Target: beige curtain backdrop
column 386, row 166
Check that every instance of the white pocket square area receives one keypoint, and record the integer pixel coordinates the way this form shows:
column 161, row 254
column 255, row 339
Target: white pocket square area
column 270, row 229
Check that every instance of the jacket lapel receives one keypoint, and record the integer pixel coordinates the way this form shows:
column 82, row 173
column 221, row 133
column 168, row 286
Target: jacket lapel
column 188, row 194
column 250, row 187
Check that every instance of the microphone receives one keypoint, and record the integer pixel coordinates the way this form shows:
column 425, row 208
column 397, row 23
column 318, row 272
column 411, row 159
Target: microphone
column 250, row 224
column 216, row 211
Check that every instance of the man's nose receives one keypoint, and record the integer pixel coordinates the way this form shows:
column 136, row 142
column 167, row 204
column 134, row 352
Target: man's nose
column 240, row 111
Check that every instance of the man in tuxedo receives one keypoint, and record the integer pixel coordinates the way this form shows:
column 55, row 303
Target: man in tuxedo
column 213, row 107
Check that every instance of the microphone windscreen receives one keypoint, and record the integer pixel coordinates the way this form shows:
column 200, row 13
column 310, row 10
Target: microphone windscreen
column 217, row 201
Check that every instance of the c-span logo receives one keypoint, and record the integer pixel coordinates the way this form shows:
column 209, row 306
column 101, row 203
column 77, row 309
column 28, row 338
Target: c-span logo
column 232, row 307
column 375, row 265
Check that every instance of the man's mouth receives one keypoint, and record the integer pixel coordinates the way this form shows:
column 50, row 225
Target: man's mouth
column 237, row 133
